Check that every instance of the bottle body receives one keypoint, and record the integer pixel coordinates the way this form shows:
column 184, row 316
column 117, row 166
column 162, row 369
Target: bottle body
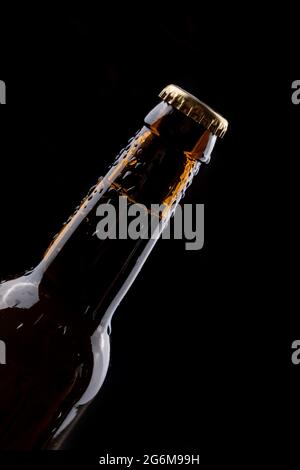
column 55, row 320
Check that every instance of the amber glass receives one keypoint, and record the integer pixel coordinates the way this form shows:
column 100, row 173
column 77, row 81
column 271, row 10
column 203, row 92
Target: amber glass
column 55, row 320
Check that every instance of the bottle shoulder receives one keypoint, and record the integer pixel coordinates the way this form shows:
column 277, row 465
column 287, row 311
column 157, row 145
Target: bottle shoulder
column 52, row 365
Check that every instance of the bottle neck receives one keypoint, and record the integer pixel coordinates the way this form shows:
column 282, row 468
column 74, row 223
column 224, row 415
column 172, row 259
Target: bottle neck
column 89, row 275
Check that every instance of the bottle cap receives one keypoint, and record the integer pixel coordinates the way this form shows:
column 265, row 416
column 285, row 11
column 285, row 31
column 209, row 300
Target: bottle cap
column 195, row 109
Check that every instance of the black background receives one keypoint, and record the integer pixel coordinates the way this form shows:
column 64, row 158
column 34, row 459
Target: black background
column 201, row 345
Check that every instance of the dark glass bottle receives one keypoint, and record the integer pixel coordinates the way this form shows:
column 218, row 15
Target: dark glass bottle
column 55, row 319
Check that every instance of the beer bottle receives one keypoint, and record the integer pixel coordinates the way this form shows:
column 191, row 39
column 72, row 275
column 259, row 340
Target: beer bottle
column 55, row 319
